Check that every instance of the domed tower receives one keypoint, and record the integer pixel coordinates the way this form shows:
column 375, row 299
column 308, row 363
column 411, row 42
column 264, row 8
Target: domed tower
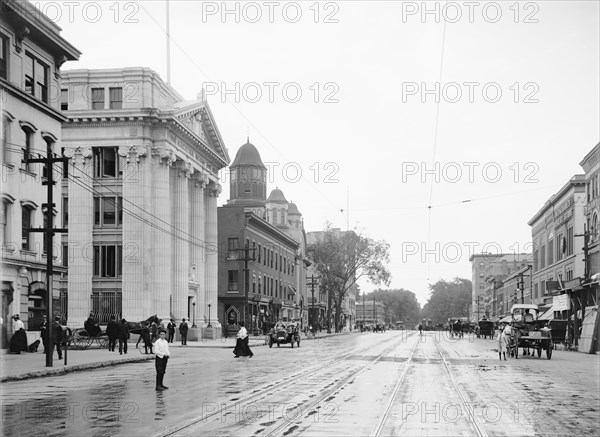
column 294, row 216
column 277, row 209
column 248, row 179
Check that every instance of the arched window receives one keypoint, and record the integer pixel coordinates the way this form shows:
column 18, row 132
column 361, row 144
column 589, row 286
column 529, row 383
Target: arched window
column 27, row 145
column 4, row 220
column 594, row 227
column 26, row 223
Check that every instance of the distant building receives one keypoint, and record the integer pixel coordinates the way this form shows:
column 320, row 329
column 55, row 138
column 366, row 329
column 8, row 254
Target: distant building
column 487, row 265
column 557, row 257
column 369, row 312
column 142, row 198
column 32, row 53
column 272, row 230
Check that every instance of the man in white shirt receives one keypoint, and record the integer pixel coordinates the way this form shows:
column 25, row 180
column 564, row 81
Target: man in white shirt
column 162, row 354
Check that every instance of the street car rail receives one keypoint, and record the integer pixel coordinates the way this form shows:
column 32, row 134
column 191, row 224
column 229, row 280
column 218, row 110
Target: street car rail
column 378, row 430
column 283, row 384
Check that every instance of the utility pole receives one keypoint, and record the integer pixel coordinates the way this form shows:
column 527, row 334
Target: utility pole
column 586, row 277
column 312, row 284
column 246, row 258
column 48, row 232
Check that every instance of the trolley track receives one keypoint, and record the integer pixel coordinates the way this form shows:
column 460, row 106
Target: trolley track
column 385, row 425
column 311, row 373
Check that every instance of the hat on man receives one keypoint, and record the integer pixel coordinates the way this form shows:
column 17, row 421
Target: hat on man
column 57, row 318
column 183, row 320
column 91, row 313
column 161, row 331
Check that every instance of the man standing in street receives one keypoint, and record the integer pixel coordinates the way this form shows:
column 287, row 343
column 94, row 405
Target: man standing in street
column 162, row 354
column 56, row 337
column 112, row 330
column 171, row 329
column 44, row 333
column 123, row 335
column 183, row 330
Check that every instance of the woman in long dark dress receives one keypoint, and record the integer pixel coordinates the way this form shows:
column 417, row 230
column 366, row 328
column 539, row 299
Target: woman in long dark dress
column 242, row 349
column 18, row 342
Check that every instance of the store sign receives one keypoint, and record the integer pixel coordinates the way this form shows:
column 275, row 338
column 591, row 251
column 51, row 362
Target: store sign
column 561, row 303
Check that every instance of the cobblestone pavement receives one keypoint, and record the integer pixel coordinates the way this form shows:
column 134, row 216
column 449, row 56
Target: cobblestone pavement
column 359, row 384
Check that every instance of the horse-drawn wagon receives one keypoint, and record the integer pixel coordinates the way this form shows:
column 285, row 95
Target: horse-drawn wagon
column 526, row 332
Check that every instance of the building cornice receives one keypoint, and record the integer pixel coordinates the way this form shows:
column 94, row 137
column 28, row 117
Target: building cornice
column 32, row 101
column 257, row 222
column 577, row 180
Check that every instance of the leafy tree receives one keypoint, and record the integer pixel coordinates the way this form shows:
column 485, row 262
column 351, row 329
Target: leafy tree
column 400, row 305
column 341, row 259
column 447, row 299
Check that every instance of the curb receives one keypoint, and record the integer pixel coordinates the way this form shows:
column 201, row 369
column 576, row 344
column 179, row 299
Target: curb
column 73, row 368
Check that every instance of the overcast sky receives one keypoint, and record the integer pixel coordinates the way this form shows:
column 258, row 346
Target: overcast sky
column 518, row 88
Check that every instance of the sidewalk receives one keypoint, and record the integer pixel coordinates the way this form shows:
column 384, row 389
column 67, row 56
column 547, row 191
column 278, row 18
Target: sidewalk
column 15, row 367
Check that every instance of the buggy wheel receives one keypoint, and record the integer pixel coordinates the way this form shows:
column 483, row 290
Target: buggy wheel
column 103, row 342
column 80, row 341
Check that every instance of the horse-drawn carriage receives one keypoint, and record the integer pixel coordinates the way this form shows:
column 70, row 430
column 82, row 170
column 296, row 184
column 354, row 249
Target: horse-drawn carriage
column 92, row 334
column 527, row 332
column 486, row 329
column 283, row 334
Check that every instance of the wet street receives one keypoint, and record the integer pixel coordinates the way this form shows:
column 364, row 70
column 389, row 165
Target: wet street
column 394, row 383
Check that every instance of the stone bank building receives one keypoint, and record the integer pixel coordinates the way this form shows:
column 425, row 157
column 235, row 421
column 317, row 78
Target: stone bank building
column 140, row 198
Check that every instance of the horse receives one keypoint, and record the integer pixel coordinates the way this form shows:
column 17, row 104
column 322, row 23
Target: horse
column 137, row 327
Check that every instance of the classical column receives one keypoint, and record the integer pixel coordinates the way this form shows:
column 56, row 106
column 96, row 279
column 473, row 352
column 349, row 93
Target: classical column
column 80, row 239
column 198, row 258
column 212, row 265
column 181, row 255
column 162, row 256
column 135, row 279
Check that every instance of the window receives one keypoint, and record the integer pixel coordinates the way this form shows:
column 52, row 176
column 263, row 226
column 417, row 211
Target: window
column 4, row 220
column 232, row 248
column 259, row 285
column 570, row 236
column 232, row 280
column 36, row 78
column 277, row 288
column 6, row 122
column 65, row 255
column 4, row 56
column 108, row 211
column 280, row 263
column 253, row 283
column 594, row 227
column 116, row 98
column 106, row 164
column 569, row 274
column 26, row 220
column 543, row 287
column 259, row 256
column 108, row 261
column 65, row 212
column 27, row 149
column 64, row 100
column 560, row 244
column 550, row 249
column 542, row 256
column 97, row 98
column 536, row 254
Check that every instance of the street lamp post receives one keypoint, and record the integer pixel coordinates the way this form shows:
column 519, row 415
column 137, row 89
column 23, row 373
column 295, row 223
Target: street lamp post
column 209, row 325
column 194, row 314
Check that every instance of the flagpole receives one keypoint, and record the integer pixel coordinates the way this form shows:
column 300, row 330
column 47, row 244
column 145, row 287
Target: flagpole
column 168, row 44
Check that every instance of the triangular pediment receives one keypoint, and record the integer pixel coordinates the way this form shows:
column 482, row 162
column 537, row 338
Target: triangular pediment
column 197, row 117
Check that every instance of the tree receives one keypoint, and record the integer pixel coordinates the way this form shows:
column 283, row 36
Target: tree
column 448, row 299
column 341, row 259
column 400, row 305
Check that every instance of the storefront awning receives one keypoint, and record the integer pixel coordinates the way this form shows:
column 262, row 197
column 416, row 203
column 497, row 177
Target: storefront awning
column 548, row 315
